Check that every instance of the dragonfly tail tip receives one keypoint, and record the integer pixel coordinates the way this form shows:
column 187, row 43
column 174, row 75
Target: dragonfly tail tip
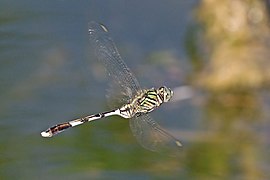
column 46, row 134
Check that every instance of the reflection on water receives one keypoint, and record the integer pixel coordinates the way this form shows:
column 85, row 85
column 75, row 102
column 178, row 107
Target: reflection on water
column 233, row 146
column 232, row 80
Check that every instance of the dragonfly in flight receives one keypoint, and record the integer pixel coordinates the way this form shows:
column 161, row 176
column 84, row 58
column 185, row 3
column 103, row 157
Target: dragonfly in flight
column 136, row 103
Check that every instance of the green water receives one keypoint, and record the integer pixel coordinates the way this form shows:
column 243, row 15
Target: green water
column 48, row 75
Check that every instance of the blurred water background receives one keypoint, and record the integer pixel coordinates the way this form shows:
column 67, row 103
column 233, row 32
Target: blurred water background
column 218, row 50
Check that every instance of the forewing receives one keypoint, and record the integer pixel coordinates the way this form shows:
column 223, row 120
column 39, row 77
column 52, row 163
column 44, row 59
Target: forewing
column 123, row 83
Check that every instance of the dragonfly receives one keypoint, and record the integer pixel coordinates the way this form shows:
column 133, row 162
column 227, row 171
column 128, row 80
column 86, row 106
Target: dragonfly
column 136, row 103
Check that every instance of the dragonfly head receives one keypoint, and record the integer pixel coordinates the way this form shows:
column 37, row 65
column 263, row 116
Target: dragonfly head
column 166, row 93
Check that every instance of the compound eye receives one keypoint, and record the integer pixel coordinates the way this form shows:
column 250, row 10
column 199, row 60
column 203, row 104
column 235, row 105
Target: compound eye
column 166, row 96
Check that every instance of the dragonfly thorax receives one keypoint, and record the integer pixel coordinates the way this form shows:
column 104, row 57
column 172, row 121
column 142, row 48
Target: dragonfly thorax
column 146, row 101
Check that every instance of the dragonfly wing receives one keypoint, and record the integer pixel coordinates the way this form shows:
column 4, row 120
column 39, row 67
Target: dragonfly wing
column 151, row 135
column 124, row 84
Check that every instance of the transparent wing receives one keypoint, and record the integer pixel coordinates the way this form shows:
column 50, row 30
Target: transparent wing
column 123, row 83
column 124, row 86
column 151, row 136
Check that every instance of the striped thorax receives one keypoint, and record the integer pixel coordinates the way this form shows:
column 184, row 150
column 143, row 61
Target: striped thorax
column 146, row 101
